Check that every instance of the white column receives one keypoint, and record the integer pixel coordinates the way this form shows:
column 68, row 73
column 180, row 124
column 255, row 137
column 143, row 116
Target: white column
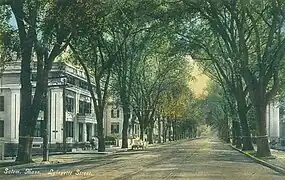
column 1, row 149
column 274, row 126
column 105, row 121
column 271, row 123
column 76, row 124
column 92, row 130
column 277, row 121
column 75, row 130
column 268, row 119
column 84, row 138
column 14, row 116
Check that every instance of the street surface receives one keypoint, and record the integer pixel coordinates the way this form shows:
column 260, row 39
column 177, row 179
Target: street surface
column 205, row 158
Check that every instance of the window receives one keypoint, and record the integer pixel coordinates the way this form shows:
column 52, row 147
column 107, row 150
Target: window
column 1, row 128
column 69, row 129
column 69, row 104
column 95, row 130
column 87, row 108
column 115, row 128
column 118, row 113
column 81, row 107
column 83, row 84
column 1, row 103
column 34, row 77
column 113, row 113
column 39, row 129
column 70, row 80
column 135, row 129
column 84, row 107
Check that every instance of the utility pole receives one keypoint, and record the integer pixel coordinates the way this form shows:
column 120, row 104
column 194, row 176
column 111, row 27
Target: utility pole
column 46, row 128
column 64, row 117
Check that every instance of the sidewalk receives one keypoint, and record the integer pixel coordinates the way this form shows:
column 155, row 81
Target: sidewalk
column 276, row 161
column 278, row 158
column 69, row 157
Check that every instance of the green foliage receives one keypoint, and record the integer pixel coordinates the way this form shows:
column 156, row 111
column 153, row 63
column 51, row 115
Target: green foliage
column 217, row 106
column 8, row 38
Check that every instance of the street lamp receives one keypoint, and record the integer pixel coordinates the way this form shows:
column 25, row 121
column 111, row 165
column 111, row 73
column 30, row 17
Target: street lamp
column 64, row 115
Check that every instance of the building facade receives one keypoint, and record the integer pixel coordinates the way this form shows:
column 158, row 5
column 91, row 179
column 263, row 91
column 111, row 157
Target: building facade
column 273, row 120
column 113, row 123
column 275, row 124
column 67, row 86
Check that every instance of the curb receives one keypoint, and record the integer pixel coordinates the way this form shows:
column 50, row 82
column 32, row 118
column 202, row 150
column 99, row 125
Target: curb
column 260, row 161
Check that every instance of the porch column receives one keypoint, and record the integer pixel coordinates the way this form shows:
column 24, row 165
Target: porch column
column 92, row 130
column 75, row 130
column 84, row 134
column 76, row 123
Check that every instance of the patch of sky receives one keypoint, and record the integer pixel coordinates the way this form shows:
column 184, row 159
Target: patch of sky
column 12, row 21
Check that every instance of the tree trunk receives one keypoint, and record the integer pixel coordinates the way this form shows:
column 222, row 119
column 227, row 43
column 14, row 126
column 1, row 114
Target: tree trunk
column 246, row 135
column 150, row 134
column 25, row 149
column 26, row 125
column 174, row 129
column 101, row 139
column 194, row 131
column 237, row 132
column 164, row 129
column 226, row 130
column 263, row 149
column 159, row 129
column 141, row 132
column 234, row 134
column 125, row 127
column 169, row 129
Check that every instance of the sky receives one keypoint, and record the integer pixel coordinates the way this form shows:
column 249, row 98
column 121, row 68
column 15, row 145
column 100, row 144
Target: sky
column 200, row 83
column 201, row 80
column 13, row 21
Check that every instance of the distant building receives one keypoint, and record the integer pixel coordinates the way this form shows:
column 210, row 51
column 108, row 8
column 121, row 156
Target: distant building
column 273, row 120
column 275, row 123
column 114, row 119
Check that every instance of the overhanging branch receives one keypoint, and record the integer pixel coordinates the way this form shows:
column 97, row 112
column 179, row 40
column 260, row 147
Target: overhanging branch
column 6, row 2
column 274, row 88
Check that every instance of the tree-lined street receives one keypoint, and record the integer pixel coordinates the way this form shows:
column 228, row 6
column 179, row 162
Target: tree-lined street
column 203, row 158
column 136, row 59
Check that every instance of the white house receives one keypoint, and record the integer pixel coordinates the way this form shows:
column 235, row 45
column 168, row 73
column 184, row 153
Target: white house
column 272, row 120
column 67, row 85
column 275, row 122
column 113, row 122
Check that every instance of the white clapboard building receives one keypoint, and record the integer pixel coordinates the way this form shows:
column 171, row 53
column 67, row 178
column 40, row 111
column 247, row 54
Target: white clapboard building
column 66, row 83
